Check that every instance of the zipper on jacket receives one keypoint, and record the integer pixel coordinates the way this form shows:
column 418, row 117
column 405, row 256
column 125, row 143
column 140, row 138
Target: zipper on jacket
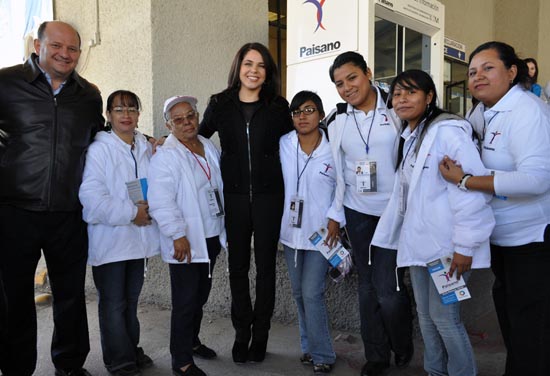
column 134, row 158
column 249, row 160
column 53, row 151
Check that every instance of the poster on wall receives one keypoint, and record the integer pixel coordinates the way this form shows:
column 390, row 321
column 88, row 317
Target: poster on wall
column 320, row 28
column 428, row 11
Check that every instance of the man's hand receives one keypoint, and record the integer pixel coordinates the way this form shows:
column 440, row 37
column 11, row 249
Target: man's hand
column 182, row 250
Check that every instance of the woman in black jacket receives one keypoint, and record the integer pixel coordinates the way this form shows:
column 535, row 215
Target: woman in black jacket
column 250, row 116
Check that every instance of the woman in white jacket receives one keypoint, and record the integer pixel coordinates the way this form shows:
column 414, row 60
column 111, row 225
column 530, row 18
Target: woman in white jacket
column 514, row 130
column 429, row 219
column 121, row 234
column 310, row 180
column 185, row 197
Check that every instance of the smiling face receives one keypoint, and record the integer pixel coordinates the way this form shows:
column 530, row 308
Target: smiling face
column 184, row 122
column 410, row 104
column 59, row 50
column 307, row 123
column 488, row 78
column 354, row 86
column 252, row 72
column 123, row 117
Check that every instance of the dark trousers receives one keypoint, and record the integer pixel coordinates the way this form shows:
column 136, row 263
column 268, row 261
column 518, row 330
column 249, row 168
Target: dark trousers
column 521, row 293
column 385, row 313
column 63, row 238
column 118, row 287
column 261, row 217
column 190, row 289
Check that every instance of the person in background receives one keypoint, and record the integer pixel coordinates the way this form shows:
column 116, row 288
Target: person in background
column 362, row 137
column 250, row 116
column 428, row 219
column 48, row 116
column 533, row 71
column 310, row 179
column 513, row 129
column 121, row 234
column 185, row 199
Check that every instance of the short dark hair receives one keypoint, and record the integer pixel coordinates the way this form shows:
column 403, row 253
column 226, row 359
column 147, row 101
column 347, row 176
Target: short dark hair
column 508, row 56
column 42, row 29
column 270, row 88
column 348, row 57
column 127, row 98
column 304, row 96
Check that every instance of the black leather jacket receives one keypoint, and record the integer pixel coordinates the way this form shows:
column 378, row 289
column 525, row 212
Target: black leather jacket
column 44, row 138
column 250, row 152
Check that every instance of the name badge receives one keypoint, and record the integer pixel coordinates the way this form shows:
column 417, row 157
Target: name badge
column 365, row 176
column 214, row 202
column 296, row 210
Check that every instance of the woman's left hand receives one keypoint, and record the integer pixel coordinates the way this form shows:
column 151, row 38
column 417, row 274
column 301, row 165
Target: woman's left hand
column 451, row 170
column 461, row 264
column 333, row 230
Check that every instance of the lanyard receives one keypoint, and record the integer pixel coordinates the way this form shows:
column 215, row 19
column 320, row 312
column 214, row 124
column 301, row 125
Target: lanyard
column 298, row 173
column 485, row 124
column 132, row 147
column 208, row 174
column 370, row 129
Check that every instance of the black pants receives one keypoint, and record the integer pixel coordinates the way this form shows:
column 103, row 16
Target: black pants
column 190, row 290
column 63, row 238
column 261, row 217
column 522, row 301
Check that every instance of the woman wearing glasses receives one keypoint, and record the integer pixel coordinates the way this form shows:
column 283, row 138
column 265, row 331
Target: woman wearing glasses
column 121, row 233
column 250, row 116
column 310, row 179
column 185, row 199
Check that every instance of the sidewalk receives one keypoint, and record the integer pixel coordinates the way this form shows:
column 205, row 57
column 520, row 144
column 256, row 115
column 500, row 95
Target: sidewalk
column 283, row 348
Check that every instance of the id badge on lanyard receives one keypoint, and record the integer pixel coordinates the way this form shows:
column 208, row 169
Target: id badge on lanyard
column 296, row 211
column 214, row 202
column 365, row 176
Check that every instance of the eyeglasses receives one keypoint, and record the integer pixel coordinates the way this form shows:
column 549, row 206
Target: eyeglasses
column 180, row 120
column 307, row 111
column 129, row 110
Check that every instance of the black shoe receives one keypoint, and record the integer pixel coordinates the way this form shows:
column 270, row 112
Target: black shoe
column 192, row 370
column 143, row 360
column 204, row 352
column 77, row 372
column 321, row 368
column 306, row 359
column 374, row 368
column 240, row 352
column 130, row 370
column 256, row 352
column 402, row 361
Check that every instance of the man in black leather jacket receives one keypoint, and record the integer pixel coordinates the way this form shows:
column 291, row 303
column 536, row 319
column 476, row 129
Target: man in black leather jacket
column 48, row 117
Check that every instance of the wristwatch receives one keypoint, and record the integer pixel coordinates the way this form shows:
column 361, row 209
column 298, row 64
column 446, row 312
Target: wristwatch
column 462, row 183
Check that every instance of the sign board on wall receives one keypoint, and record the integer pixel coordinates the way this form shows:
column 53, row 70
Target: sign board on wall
column 455, row 49
column 320, row 28
column 428, row 11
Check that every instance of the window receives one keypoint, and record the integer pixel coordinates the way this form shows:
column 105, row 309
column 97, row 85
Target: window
column 277, row 37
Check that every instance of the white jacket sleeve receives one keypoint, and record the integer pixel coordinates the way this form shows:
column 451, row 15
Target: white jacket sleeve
column 162, row 195
column 99, row 205
column 529, row 146
column 473, row 216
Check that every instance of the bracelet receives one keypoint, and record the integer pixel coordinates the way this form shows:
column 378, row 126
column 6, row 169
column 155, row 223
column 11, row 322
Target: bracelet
column 462, row 183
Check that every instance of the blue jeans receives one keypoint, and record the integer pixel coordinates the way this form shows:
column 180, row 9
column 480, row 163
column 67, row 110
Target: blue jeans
column 118, row 287
column 385, row 313
column 307, row 277
column 447, row 348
